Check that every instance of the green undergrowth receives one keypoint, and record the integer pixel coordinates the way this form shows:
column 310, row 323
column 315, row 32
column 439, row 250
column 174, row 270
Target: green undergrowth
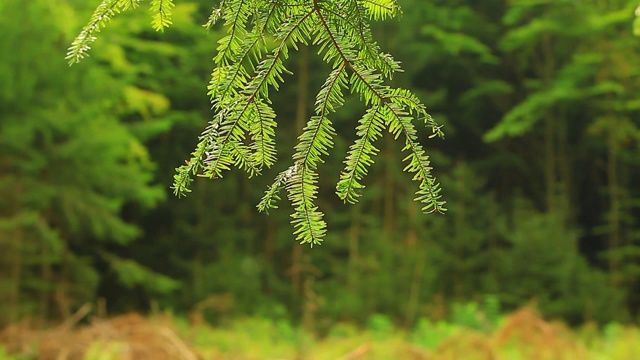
column 521, row 335
column 467, row 333
column 4, row 355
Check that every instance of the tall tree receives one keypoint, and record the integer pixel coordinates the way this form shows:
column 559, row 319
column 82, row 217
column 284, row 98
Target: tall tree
column 68, row 167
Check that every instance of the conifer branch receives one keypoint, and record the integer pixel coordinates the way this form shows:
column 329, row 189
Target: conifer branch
column 270, row 197
column 307, row 221
column 419, row 164
column 381, row 9
column 235, row 111
column 361, row 155
column 369, row 85
column 161, row 14
column 128, row 4
column 101, row 16
column 215, row 15
column 231, row 79
column 244, row 158
column 362, row 35
column 242, row 132
column 315, row 140
column 236, row 17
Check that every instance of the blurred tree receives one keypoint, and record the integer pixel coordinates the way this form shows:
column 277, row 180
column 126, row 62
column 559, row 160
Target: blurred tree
column 521, row 205
column 68, row 168
column 576, row 89
column 614, row 134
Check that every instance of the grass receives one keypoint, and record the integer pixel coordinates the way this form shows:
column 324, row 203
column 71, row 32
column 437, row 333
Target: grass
column 521, row 335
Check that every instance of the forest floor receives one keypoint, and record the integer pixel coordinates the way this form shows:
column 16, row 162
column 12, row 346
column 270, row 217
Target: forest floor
column 520, row 335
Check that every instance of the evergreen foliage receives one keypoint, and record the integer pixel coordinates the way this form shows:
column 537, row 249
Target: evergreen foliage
column 69, row 166
column 242, row 132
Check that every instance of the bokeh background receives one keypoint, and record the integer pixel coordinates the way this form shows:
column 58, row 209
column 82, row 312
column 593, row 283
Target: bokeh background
column 540, row 102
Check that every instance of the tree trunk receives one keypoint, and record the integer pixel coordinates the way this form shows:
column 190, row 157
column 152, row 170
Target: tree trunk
column 614, row 208
column 302, row 115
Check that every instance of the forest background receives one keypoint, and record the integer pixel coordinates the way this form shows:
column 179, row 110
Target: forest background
column 540, row 104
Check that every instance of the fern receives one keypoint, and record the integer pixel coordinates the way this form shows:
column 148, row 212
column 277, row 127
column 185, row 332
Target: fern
column 242, row 132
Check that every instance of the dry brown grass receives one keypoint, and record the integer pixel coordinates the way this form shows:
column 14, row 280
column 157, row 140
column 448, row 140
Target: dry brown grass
column 465, row 345
column 522, row 335
column 536, row 338
column 126, row 337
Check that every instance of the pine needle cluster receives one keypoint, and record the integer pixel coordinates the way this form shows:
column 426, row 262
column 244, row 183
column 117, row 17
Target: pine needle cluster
column 242, row 131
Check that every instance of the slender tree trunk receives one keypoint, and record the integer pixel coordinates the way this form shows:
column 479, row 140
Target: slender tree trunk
column 388, row 188
column 414, row 251
column 493, row 244
column 546, row 67
column 269, row 251
column 15, row 275
column 47, row 279
column 13, row 257
column 550, row 163
column 460, row 226
column 354, row 245
column 62, row 290
column 564, row 163
column 197, row 277
column 614, row 209
column 302, row 115
column 414, row 291
column 202, row 231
